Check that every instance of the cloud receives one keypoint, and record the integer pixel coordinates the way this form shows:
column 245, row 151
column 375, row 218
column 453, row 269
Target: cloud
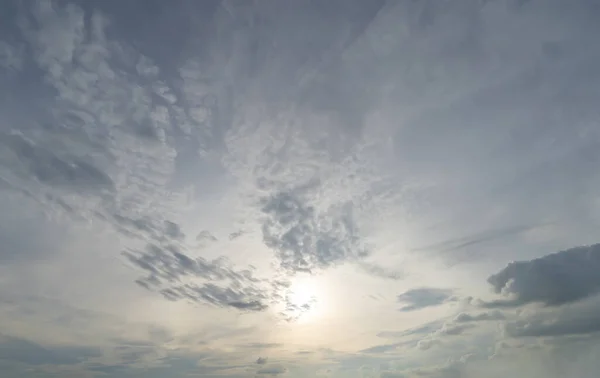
column 171, row 272
column 391, row 374
column 421, row 330
column 261, row 361
column 260, row 345
column 381, row 348
column 50, row 168
column 447, row 329
column 575, row 319
column 25, row 351
column 151, row 132
column 305, row 239
column 479, row 317
column 475, row 239
column 11, row 57
column 102, row 147
column 559, row 278
column 420, row 298
column 458, row 325
column 273, row 370
column 381, row 272
column 205, row 237
column 409, row 338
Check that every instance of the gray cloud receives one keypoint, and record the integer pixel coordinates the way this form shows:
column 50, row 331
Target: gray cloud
column 409, row 338
column 479, row 317
column 205, row 237
column 273, row 370
column 169, row 270
column 260, row 345
column 21, row 350
column 381, row 348
column 474, row 239
column 381, row 272
column 54, row 168
column 305, row 239
column 391, row 374
column 452, row 329
column 458, row 325
column 103, row 129
column 555, row 279
column 247, row 298
column 425, row 329
column 116, row 111
column 448, row 329
column 549, row 329
column 420, row 298
column 574, row 319
column 173, row 231
column 261, row 360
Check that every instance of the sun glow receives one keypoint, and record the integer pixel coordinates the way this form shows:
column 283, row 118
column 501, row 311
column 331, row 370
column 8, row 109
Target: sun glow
column 304, row 299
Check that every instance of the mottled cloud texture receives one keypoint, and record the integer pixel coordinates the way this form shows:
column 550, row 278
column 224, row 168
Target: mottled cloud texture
column 338, row 188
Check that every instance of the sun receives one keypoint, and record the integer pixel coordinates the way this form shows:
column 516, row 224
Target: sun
column 302, row 291
column 303, row 299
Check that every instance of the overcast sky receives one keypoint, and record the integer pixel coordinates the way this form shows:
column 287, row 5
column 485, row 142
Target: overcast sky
column 268, row 188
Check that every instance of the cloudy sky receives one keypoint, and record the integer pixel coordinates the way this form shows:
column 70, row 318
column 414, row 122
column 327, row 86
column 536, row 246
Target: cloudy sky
column 267, row 188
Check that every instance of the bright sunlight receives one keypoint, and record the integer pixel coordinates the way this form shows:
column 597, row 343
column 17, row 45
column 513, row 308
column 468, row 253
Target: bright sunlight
column 304, row 299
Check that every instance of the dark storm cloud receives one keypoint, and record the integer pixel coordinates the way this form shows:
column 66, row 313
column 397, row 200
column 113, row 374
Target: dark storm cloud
column 559, row 278
column 304, row 239
column 420, row 298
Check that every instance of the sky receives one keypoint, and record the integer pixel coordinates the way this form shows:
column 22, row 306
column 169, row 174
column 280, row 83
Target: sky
column 291, row 189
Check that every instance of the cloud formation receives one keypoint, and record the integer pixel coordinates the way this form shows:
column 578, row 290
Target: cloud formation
column 559, row 278
column 171, row 272
column 416, row 299
column 140, row 121
column 305, row 239
column 570, row 320
column 273, row 370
